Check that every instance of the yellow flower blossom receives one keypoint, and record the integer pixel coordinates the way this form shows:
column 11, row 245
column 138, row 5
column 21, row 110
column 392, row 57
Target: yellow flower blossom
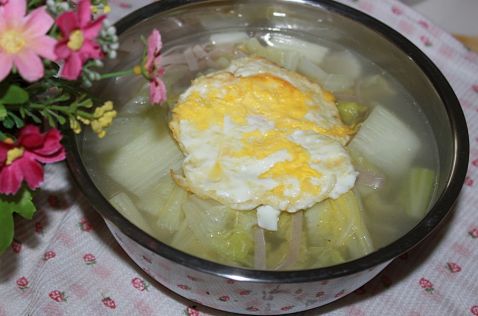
column 137, row 70
column 13, row 154
column 8, row 141
column 75, row 125
column 77, row 38
column 83, row 120
column 103, row 117
column 100, row 111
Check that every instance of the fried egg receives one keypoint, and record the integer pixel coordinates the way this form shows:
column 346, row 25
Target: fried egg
column 256, row 135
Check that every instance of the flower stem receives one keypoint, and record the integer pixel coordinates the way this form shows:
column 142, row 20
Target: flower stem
column 59, row 108
column 85, row 114
column 117, row 74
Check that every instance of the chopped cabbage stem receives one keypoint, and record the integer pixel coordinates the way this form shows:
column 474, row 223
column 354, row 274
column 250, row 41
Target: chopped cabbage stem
column 374, row 88
column 123, row 203
column 417, row 192
column 170, row 213
column 147, row 157
column 336, row 228
column 311, row 51
column 228, row 38
column 227, row 233
column 344, row 63
column 387, row 142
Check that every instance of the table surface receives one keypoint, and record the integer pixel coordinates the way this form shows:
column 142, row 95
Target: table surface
column 457, row 17
column 65, row 261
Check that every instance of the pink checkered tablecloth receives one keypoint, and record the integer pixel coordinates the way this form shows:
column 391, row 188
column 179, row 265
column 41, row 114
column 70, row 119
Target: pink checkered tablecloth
column 65, row 261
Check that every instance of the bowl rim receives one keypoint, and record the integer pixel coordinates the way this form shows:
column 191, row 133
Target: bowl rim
column 436, row 214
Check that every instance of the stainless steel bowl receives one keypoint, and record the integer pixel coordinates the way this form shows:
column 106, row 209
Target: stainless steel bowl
column 277, row 292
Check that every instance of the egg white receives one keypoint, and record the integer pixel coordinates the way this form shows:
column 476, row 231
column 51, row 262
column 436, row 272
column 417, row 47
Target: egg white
column 213, row 169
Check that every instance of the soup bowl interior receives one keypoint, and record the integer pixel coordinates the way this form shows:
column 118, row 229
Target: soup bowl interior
column 185, row 23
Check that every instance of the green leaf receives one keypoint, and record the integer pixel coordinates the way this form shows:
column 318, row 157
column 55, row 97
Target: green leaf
column 25, row 207
column 20, row 203
column 18, row 121
column 3, row 111
column 58, row 117
column 87, row 103
column 35, row 118
column 13, row 94
column 6, row 229
column 62, row 98
column 22, row 112
column 51, row 121
column 8, row 122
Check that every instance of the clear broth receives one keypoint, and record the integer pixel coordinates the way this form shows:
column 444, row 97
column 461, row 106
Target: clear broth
column 385, row 218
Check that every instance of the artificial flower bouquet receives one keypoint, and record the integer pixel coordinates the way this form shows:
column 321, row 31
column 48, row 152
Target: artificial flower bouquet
column 51, row 52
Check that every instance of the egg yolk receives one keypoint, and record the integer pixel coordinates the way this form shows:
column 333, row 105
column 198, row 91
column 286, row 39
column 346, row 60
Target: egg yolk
column 274, row 99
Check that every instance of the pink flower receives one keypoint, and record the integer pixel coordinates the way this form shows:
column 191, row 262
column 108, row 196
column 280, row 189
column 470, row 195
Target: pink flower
column 23, row 40
column 425, row 40
column 78, row 43
column 89, row 259
column 157, row 89
column 396, row 10
column 426, row 284
column 49, row 255
column 139, row 284
column 473, row 233
column 22, row 283
column 474, row 310
column 57, row 296
column 287, row 308
column 16, row 246
column 341, row 293
column 153, row 54
column 192, row 311
column 424, row 24
column 21, row 160
column 85, row 225
column 453, row 267
column 109, row 302
column 191, row 278
column 38, row 228
column 320, row 294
